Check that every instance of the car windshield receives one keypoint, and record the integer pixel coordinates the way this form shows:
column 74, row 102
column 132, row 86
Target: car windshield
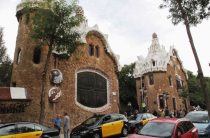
column 91, row 121
column 139, row 117
column 43, row 127
column 158, row 129
column 198, row 117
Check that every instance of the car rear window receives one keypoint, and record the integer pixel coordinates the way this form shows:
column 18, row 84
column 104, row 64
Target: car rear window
column 198, row 117
column 158, row 129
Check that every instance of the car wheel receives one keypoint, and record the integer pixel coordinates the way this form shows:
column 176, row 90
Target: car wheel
column 124, row 131
column 96, row 135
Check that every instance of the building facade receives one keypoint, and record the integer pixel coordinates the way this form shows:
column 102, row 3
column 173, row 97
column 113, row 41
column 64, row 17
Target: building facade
column 84, row 84
column 161, row 80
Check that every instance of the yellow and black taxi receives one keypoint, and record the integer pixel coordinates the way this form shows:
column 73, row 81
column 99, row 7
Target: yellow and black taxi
column 27, row 130
column 138, row 121
column 100, row 126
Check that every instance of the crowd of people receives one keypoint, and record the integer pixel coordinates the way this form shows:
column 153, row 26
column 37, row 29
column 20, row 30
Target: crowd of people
column 58, row 121
column 160, row 113
column 167, row 113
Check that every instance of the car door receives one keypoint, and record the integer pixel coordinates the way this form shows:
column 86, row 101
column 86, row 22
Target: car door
column 8, row 131
column 118, row 123
column 107, row 126
column 189, row 129
column 183, row 130
column 144, row 119
column 27, row 130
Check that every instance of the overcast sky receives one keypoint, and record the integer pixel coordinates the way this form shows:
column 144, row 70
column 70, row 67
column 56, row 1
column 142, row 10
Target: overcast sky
column 129, row 25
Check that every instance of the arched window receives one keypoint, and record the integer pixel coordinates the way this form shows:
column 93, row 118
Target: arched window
column 153, row 62
column 91, row 50
column 170, row 80
column 151, row 79
column 37, row 55
column 18, row 56
column 97, row 51
column 91, row 89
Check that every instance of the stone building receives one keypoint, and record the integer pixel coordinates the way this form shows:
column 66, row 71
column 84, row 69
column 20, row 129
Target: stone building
column 160, row 79
column 84, row 84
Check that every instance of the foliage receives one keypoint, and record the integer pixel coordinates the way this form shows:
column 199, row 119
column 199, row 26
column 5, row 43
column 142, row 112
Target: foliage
column 5, row 64
column 194, row 10
column 2, row 47
column 195, row 92
column 191, row 13
column 55, row 26
column 127, row 86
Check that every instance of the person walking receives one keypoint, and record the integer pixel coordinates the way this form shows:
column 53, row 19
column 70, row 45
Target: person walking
column 57, row 122
column 66, row 125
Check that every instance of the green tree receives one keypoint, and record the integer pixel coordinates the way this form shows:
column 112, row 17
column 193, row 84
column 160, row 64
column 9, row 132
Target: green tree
column 2, row 47
column 195, row 94
column 54, row 25
column 191, row 13
column 127, row 86
column 5, row 63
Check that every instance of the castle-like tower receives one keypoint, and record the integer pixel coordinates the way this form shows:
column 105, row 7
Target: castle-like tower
column 84, row 84
column 160, row 79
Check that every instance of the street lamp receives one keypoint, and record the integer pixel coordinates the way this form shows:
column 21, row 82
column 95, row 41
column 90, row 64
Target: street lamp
column 143, row 95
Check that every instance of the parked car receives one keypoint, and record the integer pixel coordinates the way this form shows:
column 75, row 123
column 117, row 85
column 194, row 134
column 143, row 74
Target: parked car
column 137, row 122
column 201, row 121
column 167, row 128
column 101, row 126
column 27, row 130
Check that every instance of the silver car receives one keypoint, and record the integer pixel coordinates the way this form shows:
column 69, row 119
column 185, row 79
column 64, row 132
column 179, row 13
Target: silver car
column 201, row 121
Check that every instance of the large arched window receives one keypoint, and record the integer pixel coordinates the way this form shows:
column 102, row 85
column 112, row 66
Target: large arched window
column 91, row 89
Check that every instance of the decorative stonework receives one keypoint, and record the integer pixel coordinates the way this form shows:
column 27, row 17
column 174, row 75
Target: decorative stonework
column 157, row 59
column 84, row 29
column 54, row 94
column 56, row 76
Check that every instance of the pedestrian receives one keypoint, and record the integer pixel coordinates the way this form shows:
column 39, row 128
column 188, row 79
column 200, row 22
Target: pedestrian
column 182, row 113
column 162, row 113
column 167, row 112
column 178, row 114
column 175, row 113
column 57, row 122
column 125, row 113
column 66, row 125
column 155, row 113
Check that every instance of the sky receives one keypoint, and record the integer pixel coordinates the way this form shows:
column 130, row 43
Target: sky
column 129, row 25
